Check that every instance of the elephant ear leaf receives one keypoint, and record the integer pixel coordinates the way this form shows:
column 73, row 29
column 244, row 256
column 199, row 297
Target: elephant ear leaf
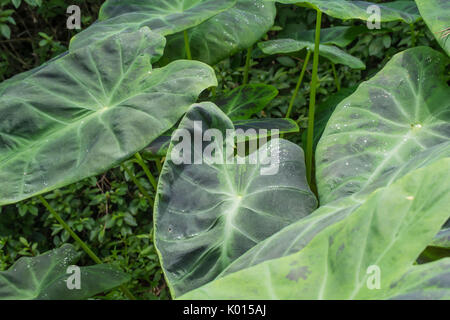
column 436, row 14
column 48, row 277
column 210, row 212
column 90, row 110
column 247, row 100
column 231, row 31
column 397, row 114
column 402, row 10
column 396, row 223
column 162, row 16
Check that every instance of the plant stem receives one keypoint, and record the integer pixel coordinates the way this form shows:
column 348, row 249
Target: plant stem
column 186, row 45
column 299, row 83
column 248, row 61
column 413, row 35
column 336, row 79
column 158, row 165
column 77, row 239
column 138, row 184
column 146, row 170
column 312, row 101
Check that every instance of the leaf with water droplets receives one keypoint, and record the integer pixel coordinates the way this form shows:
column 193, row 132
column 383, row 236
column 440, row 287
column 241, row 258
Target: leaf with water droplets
column 208, row 214
column 46, row 277
column 162, row 16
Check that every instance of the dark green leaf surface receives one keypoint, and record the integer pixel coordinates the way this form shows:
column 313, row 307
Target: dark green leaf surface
column 280, row 124
column 90, row 110
column 296, row 236
column 324, row 112
column 340, row 36
column 158, row 148
column 44, row 277
column 244, row 101
column 436, row 14
column 162, row 16
column 404, row 10
column 19, row 77
column 430, row 281
column 207, row 215
column 229, row 32
column 332, row 53
column 389, row 231
column 400, row 112
column 442, row 239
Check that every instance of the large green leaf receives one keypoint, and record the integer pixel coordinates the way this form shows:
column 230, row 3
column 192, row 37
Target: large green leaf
column 244, row 101
column 44, row 277
column 332, row 53
column 208, row 214
column 90, row 110
column 388, row 231
column 436, row 14
column 162, row 16
column 297, row 235
column 401, row 111
column 324, row 112
column 231, row 31
column 340, row 36
column 348, row 9
column 19, row 77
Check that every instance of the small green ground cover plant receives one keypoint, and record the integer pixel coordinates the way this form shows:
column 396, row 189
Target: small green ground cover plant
column 362, row 179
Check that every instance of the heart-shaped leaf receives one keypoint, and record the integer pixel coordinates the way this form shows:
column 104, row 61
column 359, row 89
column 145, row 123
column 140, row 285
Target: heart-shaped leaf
column 390, row 118
column 162, row 16
column 386, row 234
column 90, row 110
column 47, row 277
column 436, row 14
column 229, row 208
column 229, row 32
column 403, row 10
